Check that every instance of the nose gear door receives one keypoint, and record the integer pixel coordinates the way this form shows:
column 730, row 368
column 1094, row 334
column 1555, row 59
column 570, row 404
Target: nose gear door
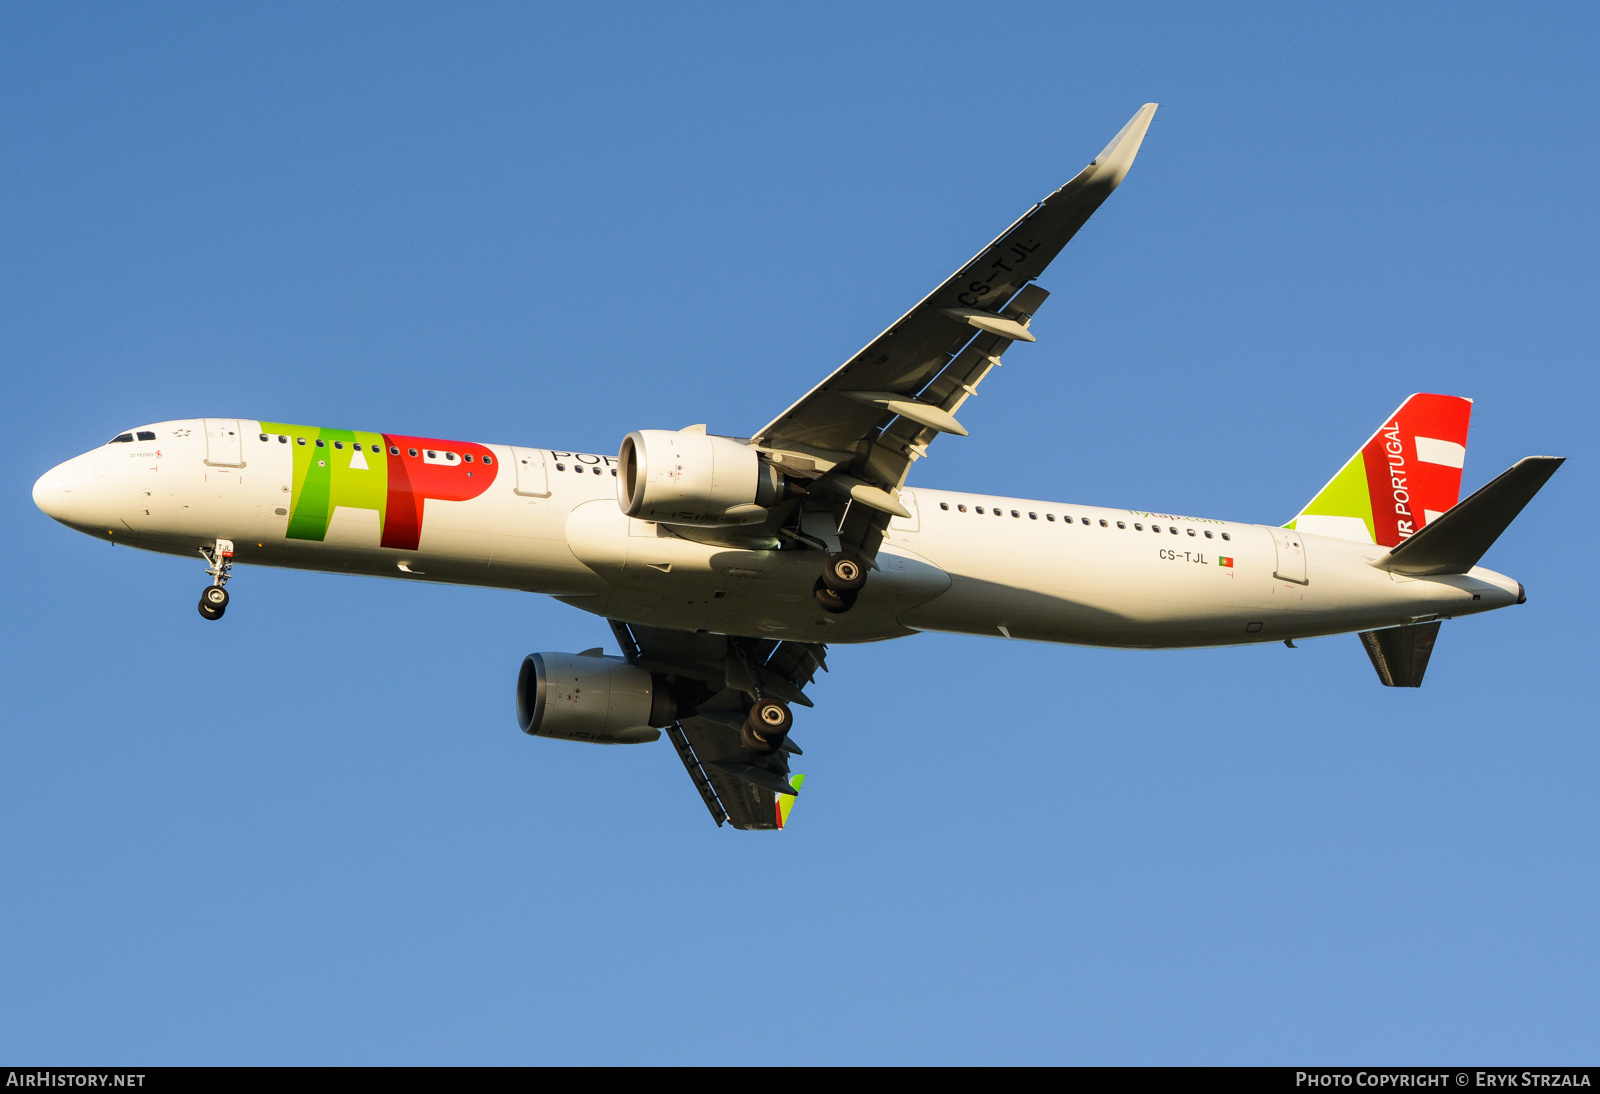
column 224, row 446
column 1291, row 556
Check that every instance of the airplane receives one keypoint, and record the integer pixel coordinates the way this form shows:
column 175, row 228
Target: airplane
column 726, row 566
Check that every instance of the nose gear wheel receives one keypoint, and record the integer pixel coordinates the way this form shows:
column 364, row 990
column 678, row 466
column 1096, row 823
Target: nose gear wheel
column 214, row 599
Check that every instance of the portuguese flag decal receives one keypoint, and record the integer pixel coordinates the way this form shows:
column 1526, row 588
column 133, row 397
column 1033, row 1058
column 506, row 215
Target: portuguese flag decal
column 1224, row 560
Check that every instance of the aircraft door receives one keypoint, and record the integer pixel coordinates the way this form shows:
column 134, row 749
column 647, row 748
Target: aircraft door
column 533, row 480
column 224, row 445
column 1291, row 555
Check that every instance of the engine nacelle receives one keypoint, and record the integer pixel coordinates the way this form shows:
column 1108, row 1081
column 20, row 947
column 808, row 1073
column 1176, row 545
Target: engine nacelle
column 694, row 479
column 580, row 697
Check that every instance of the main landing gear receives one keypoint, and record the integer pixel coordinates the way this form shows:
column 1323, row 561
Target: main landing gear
column 214, row 601
column 843, row 577
column 766, row 727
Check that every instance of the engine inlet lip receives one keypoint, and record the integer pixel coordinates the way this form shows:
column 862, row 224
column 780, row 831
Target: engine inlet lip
column 630, row 458
column 532, row 665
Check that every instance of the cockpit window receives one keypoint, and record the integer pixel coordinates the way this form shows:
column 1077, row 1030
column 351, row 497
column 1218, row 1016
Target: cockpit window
column 147, row 435
column 121, row 438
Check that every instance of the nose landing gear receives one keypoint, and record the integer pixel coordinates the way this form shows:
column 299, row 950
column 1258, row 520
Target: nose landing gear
column 214, row 600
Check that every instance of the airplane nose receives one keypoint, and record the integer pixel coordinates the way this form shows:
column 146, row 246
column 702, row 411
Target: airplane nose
column 53, row 494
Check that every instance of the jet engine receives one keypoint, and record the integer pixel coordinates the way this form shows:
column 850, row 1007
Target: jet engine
column 694, row 479
column 587, row 697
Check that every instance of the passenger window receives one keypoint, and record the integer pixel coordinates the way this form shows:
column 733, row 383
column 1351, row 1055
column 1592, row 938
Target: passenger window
column 945, row 506
column 1226, row 536
column 1174, row 531
column 1103, row 524
column 979, row 510
column 282, row 439
column 339, row 445
column 432, row 455
column 413, row 452
column 321, row 443
column 121, row 438
column 488, row 459
column 1121, row 525
column 561, row 467
column 393, row 451
column 299, row 440
column 961, row 508
column 1086, row 520
column 597, row 471
column 1138, row 527
column 1208, row 535
column 263, row 436
column 1033, row 516
column 467, row 457
column 1016, row 514
column 1191, row 531
column 1050, row 516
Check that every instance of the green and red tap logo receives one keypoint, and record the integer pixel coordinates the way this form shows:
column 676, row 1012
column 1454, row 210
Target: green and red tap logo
column 391, row 473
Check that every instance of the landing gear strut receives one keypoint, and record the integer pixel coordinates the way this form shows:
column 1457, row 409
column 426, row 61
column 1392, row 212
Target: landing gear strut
column 766, row 727
column 214, row 600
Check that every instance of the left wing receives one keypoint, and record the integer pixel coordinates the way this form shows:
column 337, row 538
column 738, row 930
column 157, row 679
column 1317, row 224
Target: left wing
column 728, row 673
column 858, row 432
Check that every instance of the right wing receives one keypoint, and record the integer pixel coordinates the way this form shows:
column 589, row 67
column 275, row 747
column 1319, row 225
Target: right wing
column 739, row 788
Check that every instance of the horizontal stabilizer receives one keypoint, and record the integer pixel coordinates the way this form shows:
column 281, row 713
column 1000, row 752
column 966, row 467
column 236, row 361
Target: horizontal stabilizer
column 1454, row 542
column 1400, row 654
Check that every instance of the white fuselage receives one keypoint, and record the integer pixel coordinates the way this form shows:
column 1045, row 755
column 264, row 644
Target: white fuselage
column 1046, row 571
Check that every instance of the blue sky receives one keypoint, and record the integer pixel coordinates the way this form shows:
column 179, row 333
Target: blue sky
column 313, row 834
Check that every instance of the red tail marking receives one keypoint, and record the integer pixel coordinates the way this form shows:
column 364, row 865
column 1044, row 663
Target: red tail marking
column 1401, row 485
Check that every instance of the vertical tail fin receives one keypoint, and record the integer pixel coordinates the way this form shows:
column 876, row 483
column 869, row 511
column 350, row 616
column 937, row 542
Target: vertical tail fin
column 1408, row 473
